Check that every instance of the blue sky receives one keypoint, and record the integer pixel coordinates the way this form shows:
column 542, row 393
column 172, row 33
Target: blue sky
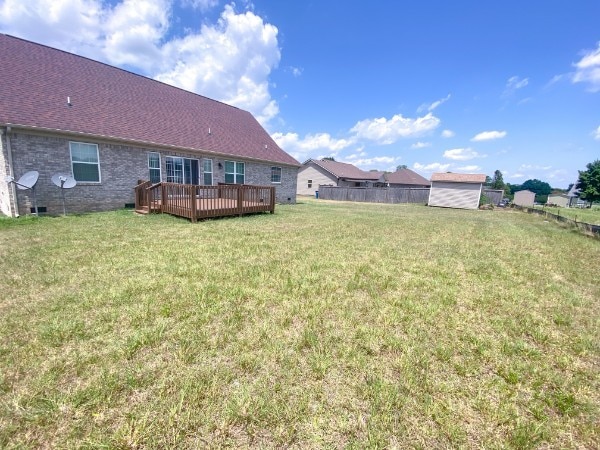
column 466, row 86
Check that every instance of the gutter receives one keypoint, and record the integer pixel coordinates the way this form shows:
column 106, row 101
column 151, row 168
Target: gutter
column 13, row 190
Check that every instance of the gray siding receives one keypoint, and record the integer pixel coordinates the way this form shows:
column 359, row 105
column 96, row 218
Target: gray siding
column 120, row 167
column 318, row 177
column 455, row 195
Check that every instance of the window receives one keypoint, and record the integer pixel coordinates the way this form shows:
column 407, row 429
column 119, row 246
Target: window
column 275, row 174
column 182, row 170
column 309, row 183
column 234, row 172
column 85, row 162
column 208, row 172
column 154, row 167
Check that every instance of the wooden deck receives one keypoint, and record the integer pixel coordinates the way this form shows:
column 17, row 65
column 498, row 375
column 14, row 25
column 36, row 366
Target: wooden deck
column 200, row 202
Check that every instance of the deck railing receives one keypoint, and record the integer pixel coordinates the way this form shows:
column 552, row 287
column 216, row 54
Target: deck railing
column 199, row 202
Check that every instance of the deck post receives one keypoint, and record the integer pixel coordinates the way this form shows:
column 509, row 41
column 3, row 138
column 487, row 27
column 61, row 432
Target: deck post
column 193, row 200
column 272, row 205
column 240, row 199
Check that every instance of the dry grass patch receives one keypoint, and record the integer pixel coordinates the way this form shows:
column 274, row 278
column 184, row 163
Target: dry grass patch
column 324, row 325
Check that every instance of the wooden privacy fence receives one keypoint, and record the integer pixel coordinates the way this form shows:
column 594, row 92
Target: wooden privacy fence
column 390, row 195
column 200, row 202
column 375, row 195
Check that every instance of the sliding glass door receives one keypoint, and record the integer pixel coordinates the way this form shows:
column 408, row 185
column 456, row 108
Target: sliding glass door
column 182, row 170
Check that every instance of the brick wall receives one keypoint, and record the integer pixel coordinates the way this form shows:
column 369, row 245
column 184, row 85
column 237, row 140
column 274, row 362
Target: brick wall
column 120, row 168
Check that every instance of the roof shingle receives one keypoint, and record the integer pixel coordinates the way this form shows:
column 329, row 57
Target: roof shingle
column 113, row 103
column 345, row 170
column 406, row 176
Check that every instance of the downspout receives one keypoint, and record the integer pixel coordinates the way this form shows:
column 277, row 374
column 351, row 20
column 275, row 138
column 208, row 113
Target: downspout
column 13, row 190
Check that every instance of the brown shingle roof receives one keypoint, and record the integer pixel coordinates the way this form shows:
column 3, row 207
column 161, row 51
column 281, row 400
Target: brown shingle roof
column 406, row 176
column 109, row 102
column 345, row 170
column 458, row 177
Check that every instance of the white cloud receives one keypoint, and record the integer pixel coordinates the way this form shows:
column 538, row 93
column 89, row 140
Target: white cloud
column 384, row 131
column 375, row 161
column 448, row 133
column 421, row 145
column 514, row 84
column 202, row 5
column 525, row 167
column 299, row 147
column 517, row 175
column 434, row 105
column 433, row 167
column 488, row 136
column 296, row 71
column 462, row 154
column 229, row 60
column 469, row 169
column 596, row 133
column 133, row 31
column 587, row 69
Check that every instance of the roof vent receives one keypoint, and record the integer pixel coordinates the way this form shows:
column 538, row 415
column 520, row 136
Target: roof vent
column 209, row 132
column 69, row 101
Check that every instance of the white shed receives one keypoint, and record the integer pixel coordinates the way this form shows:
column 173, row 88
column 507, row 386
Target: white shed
column 558, row 200
column 524, row 198
column 456, row 190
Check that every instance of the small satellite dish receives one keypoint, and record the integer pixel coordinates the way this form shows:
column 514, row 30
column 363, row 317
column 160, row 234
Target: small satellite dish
column 28, row 180
column 64, row 182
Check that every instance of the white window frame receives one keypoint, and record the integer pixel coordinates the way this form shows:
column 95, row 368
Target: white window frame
column 183, row 174
column 236, row 173
column 273, row 171
column 155, row 168
column 97, row 163
column 204, row 171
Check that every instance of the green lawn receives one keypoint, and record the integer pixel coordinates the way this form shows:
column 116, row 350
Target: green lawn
column 587, row 215
column 325, row 325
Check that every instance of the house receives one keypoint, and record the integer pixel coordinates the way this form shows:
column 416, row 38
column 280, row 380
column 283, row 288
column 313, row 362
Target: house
column 561, row 200
column 524, row 198
column 456, row 190
column 109, row 128
column 406, row 178
column 316, row 172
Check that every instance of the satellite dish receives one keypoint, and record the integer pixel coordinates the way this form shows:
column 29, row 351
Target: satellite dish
column 28, row 180
column 64, row 182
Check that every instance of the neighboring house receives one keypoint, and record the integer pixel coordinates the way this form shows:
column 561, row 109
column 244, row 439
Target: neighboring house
column 558, row 200
column 524, row 198
column 109, row 128
column 456, row 190
column 332, row 173
column 406, row 178
column 574, row 200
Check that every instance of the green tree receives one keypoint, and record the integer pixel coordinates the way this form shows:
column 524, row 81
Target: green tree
column 498, row 181
column 401, row 166
column 541, row 189
column 589, row 182
column 328, row 158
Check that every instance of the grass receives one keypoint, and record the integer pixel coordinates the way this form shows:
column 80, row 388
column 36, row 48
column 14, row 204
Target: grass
column 324, row 325
column 587, row 215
